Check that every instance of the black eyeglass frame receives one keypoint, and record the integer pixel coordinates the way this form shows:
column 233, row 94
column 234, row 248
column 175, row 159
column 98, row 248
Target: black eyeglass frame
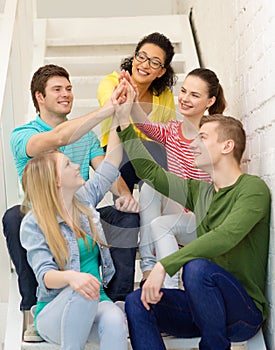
column 137, row 57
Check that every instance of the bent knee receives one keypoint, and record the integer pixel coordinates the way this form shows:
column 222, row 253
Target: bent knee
column 159, row 226
column 194, row 270
column 113, row 321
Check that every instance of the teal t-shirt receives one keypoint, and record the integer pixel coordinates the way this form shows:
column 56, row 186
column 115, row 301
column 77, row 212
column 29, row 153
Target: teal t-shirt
column 80, row 152
column 89, row 263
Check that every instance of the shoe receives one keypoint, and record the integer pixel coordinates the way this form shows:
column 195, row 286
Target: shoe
column 33, row 309
column 30, row 334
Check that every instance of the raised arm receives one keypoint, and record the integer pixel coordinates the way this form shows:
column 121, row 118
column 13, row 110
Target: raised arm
column 137, row 113
column 71, row 130
column 125, row 201
column 114, row 147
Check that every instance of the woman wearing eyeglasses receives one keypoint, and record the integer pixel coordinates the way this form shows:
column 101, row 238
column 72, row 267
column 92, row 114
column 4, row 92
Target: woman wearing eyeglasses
column 151, row 71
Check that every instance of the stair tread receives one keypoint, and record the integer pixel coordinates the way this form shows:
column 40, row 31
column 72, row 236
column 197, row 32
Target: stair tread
column 98, row 59
column 102, row 65
column 81, row 31
column 99, row 41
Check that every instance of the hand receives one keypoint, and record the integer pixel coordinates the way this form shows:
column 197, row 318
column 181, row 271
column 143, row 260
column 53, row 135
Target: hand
column 118, row 97
column 127, row 203
column 123, row 110
column 126, row 75
column 85, row 284
column 151, row 293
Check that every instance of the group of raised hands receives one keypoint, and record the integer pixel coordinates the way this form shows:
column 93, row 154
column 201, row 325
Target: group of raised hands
column 123, row 99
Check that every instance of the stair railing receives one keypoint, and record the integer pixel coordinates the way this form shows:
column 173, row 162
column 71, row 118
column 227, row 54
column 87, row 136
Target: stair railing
column 16, row 51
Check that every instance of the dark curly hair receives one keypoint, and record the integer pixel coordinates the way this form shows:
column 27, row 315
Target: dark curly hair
column 40, row 78
column 168, row 80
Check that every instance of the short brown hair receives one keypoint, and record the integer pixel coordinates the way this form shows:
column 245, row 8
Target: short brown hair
column 229, row 128
column 40, row 78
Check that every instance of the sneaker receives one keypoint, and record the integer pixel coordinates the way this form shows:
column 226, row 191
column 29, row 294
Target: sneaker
column 33, row 309
column 30, row 334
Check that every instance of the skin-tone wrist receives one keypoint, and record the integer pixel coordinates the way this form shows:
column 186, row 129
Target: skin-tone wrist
column 151, row 293
column 69, row 131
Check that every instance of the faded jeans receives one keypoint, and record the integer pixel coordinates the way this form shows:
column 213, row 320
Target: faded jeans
column 71, row 320
column 168, row 231
column 163, row 224
column 214, row 306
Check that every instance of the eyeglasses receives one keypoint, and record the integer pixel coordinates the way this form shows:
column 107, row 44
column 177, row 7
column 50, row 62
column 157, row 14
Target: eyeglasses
column 142, row 57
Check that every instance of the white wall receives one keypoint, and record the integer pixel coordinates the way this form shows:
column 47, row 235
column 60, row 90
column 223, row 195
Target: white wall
column 105, row 8
column 2, row 5
column 236, row 39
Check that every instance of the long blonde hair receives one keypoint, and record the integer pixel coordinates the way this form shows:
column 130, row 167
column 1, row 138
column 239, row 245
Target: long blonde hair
column 42, row 197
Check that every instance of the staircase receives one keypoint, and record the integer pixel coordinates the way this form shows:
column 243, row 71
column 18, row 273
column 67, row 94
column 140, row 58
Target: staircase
column 90, row 48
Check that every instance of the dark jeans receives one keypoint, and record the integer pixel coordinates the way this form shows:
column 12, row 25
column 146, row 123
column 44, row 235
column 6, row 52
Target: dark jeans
column 127, row 171
column 214, row 306
column 26, row 279
column 121, row 231
column 114, row 222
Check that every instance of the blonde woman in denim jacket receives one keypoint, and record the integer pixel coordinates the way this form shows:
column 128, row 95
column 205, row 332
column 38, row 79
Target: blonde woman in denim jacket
column 65, row 244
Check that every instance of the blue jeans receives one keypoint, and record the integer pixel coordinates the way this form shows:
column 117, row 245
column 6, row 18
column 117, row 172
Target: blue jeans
column 213, row 306
column 71, row 320
column 121, row 231
column 115, row 224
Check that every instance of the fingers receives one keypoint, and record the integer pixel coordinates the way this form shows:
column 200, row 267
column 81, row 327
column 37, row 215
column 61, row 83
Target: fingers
column 119, row 94
column 86, row 285
column 127, row 204
column 150, row 295
column 151, row 290
column 89, row 293
column 144, row 302
column 125, row 77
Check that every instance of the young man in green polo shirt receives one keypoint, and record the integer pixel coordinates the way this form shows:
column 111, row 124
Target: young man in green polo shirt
column 224, row 269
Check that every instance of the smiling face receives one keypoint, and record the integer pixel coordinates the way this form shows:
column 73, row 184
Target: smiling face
column 69, row 177
column 58, row 98
column 142, row 72
column 194, row 97
column 206, row 147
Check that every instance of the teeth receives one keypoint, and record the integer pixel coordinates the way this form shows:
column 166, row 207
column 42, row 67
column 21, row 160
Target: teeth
column 142, row 72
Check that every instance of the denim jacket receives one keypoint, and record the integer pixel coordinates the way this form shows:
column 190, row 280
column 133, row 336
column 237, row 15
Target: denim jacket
column 39, row 255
